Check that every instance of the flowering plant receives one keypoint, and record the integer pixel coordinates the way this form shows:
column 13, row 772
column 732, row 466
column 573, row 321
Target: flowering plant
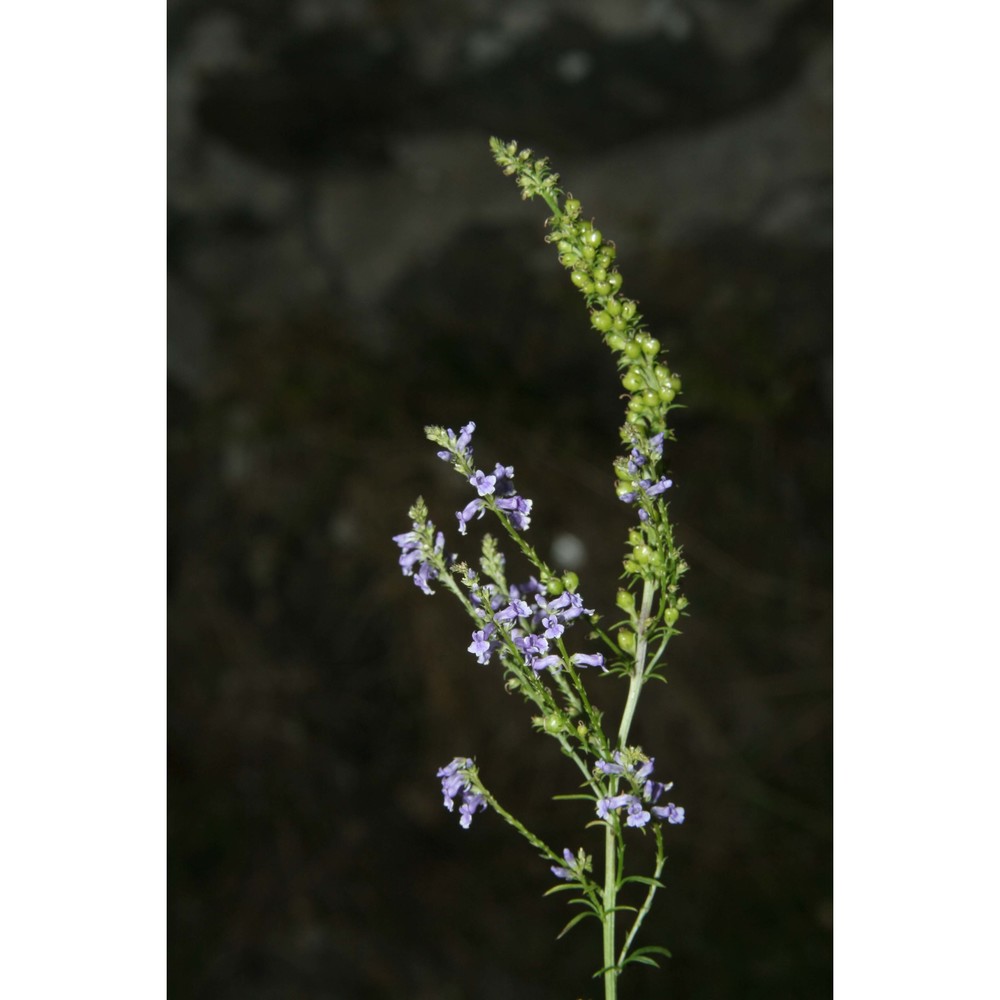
column 526, row 627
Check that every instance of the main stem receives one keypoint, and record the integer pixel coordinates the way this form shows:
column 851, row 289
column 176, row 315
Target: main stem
column 610, row 848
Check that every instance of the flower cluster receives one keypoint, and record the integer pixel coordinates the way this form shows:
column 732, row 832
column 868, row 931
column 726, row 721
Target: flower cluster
column 635, row 802
column 418, row 556
column 454, row 782
column 576, row 865
column 500, row 486
column 494, row 489
column 635, row 484
column 455, row 447
column 529, row 629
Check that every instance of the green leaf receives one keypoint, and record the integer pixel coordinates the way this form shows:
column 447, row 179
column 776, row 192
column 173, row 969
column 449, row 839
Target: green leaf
column 644, row 880
column 643, row 959
column 559, row 888
column 650, row 949
column 574, row 922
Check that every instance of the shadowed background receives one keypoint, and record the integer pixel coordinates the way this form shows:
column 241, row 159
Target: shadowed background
column 346, row 264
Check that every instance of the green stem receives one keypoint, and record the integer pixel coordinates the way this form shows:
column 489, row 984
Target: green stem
column 610, row 892
column 611, row 967
column 638, row 674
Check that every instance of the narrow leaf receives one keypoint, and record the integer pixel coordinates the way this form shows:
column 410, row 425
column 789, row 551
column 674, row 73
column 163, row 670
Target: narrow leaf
column 654, row 949
column 644, row 880
column 574, row 922
column 642, row 958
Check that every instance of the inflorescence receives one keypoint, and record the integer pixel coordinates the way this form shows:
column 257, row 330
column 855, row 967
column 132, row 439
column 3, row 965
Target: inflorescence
column 525, row 626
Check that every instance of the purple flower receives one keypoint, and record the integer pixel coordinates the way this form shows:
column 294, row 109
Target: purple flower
column 455, row 782
column 660, row 487
column 645, row 770
column 458, row 446
column 481, row 644
column 470, row 510
column 472, row 802
column 483, row 483
column 670, row 812
column 636, row 461
column 637, row 816
column 413, row 554
column 543, row 662
column 518, row 510
column 610, row 804
column 504, row 479
column 531, row 647
column 652, row 790
column 606, row 767
column 568, row 872
column 516, row 609
column 587, row 660
column 553, row 627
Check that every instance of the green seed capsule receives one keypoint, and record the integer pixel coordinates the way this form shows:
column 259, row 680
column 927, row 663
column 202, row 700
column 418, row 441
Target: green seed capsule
column 571, row 207
column 670, row 615
column 662, row 373
column 632, row 350
column 667, row 394
column 628, row 308
column 599, row 274
column 602, row 288
column 675, row 382
column 632, row 380
column 615, row 280
column 601, row 321
column 625, row 601
column 626, row 637
column 613, row 306
column 593, row 238
column 652, row 346
column 587, row 252
column 615, row 341
column 620, row 324
column 651, row 396
column 570, row 581
column 553, row 723
column 579, row 278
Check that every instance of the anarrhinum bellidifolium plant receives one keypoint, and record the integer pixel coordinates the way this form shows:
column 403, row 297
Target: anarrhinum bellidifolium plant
column 527, row 626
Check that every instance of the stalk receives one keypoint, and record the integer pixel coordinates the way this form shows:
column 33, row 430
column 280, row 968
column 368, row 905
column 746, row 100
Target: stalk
column 611, row 969
column 610, row 894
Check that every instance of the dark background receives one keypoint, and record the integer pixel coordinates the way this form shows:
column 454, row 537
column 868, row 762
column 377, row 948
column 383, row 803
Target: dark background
column 346, row 264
